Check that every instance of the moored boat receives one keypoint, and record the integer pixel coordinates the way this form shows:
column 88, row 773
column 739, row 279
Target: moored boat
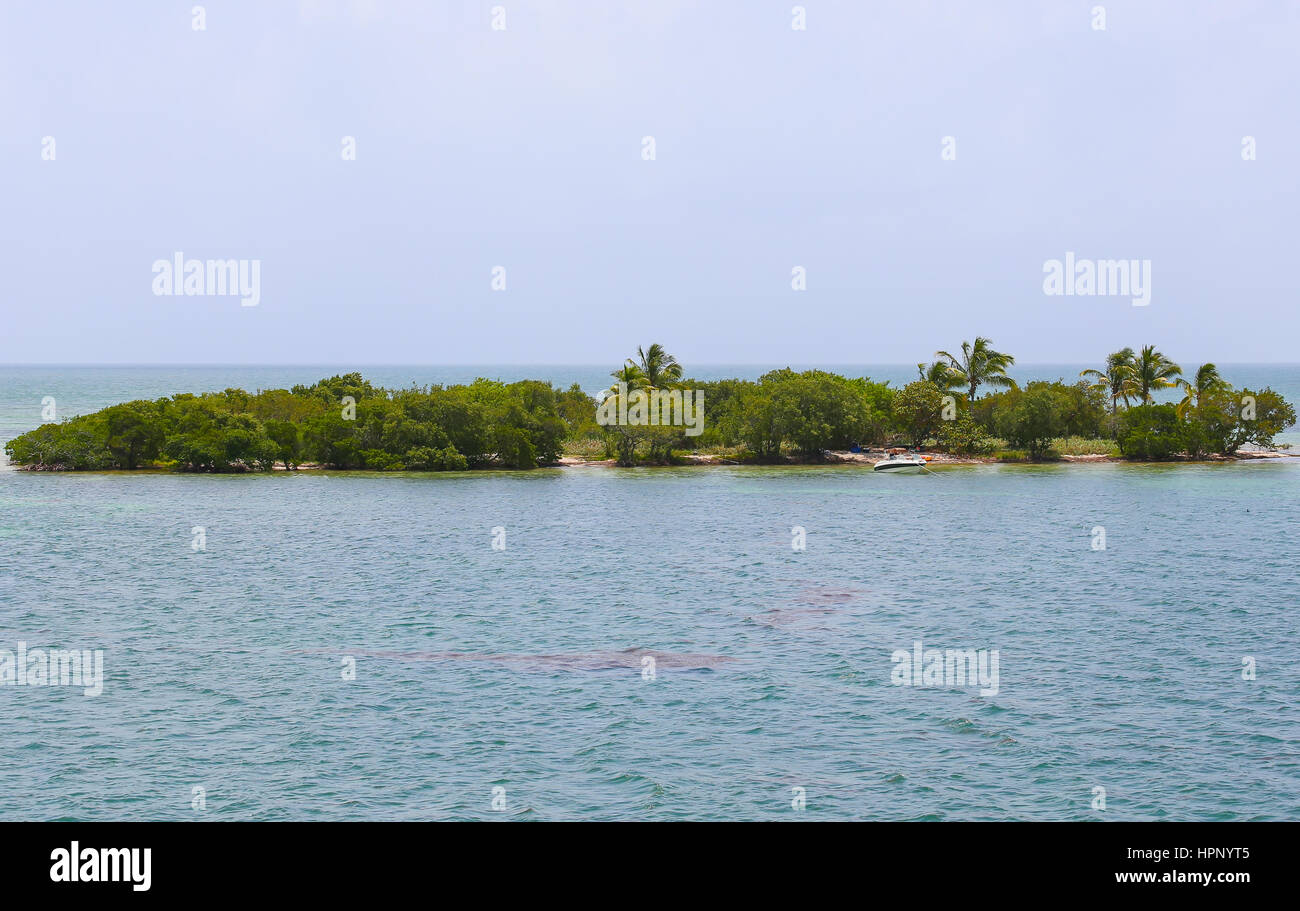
column 901, row 461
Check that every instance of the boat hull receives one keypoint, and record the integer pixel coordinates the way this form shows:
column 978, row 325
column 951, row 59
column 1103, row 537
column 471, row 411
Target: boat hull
column 897, row 467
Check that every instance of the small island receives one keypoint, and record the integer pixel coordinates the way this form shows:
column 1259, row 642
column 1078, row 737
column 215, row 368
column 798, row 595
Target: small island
column 653, row 414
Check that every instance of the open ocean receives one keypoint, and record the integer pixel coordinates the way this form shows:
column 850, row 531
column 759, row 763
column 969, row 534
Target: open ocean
column 519, row 676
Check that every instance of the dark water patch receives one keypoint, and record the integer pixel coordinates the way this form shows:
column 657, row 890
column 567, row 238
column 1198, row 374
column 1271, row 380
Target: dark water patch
column 791, row 616
column 629, row 658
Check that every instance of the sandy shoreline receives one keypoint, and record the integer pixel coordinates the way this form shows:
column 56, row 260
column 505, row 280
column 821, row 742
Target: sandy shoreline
column 695, row 459
column 936, row 458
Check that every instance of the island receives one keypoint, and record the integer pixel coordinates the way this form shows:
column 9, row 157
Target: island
column 653, row 414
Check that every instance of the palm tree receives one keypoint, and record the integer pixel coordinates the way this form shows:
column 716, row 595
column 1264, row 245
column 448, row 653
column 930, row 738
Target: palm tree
column 1152, row 370
column 1207, row 381
column 1117, row 381
column 979, row 366
column 629, row 375
column 940, row 374
column 658, row 367
column 654, row 368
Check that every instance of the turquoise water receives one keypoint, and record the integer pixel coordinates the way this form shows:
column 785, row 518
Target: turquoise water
column 521, row 668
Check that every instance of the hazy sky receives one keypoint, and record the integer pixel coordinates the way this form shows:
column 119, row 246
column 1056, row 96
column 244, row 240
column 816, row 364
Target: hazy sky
column 522, row 148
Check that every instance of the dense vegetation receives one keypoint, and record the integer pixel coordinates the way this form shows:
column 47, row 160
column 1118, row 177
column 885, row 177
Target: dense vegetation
column 345, row 422
column 341, row 422
column 789, row 414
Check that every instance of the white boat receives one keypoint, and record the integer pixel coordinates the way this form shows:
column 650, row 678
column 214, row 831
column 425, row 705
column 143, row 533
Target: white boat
column 901, row 463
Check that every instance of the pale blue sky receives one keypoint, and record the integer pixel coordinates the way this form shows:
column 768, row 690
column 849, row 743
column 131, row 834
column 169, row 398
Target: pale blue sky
column 522, row 148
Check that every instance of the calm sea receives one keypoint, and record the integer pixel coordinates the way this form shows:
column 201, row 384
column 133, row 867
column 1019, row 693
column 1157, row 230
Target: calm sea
column 519, row 675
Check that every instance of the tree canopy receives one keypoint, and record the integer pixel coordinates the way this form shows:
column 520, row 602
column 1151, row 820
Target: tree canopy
column 346, row 422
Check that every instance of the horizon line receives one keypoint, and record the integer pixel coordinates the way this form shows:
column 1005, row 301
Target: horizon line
column 600, row 364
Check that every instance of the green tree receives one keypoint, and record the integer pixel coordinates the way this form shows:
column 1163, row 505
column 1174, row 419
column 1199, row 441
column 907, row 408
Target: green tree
column 1081, row 409
column 426, row 458
column 1117, row 381
column 287, row 438
column 1206, row 382
column 79, row 444
column 1034, row 421
column 942, row 375
column 658, row 368
column 465, row 422
column 878, row 399
column 964, row 436
column 817, row 411
column 918, row 411
column 578, row 411
column 1256, row 417
column 334, row 389
column 1151, row 371
column 654, row 368
column 760, row 429
column 134, row 432
column 332, row 441
column 1151, row 432
column 629, row 376
column 979, row 365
